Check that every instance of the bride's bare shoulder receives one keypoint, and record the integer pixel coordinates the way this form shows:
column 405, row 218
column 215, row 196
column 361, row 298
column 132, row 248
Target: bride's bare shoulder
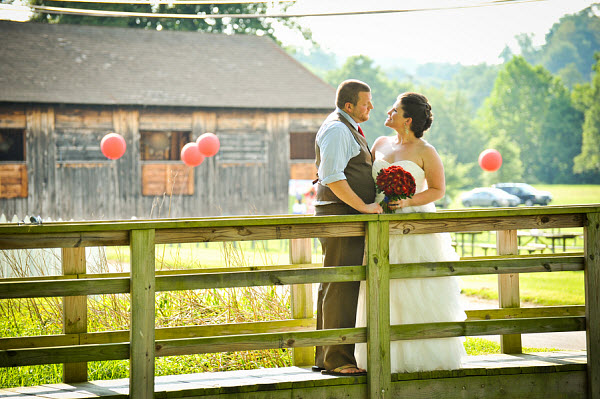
column 382, row 141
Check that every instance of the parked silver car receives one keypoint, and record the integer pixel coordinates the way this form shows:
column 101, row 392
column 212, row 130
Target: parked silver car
column 528, row 195
column 488, row 196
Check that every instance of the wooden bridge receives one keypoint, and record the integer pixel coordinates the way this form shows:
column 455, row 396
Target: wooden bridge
column 511, row 374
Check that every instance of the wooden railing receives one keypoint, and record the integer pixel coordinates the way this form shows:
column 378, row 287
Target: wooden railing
column 143, row 343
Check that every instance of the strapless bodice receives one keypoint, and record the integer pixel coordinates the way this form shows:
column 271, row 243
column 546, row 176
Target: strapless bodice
column 417, row 173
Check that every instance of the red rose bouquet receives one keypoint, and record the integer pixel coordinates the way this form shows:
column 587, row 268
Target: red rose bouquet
column 396, row 183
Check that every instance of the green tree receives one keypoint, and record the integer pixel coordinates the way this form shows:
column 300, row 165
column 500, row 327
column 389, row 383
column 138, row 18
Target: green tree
column 587, row 98
column 561, row 127
column 532, row 108
column 259, row 26
column 475, row 82
column 528, row 51
column 573, row 39
column 452, row 131
column 457, row 175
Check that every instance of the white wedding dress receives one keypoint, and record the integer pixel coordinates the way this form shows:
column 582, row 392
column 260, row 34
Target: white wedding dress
column 418, row 300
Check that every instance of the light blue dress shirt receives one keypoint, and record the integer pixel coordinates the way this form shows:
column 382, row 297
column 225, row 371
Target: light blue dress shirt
column 337, row 146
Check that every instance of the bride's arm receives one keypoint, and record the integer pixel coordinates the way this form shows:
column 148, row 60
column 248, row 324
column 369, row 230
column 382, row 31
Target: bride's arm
column 434, row 175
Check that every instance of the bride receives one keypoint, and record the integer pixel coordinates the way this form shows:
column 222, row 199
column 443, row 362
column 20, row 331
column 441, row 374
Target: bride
column 416, row 300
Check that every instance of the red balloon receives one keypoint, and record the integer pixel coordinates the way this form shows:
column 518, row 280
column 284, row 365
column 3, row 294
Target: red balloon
column 113, row 146
column 208, row 144
column 190, row 155
column 490, row 160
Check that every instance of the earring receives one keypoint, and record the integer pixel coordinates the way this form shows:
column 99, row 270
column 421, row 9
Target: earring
column 406, row 129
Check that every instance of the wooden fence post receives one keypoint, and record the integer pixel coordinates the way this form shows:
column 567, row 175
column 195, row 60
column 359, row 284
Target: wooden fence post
column 74, row 311
column 141, row 337
column 592, row 301
column 508, row 288
column 302, row 298
column 379, row 378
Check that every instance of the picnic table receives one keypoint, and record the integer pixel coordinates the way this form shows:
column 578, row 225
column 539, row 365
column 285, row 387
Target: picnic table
column 460, row 238
column 552, row 237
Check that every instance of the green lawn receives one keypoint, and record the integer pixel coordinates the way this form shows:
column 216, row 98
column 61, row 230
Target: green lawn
column 548, row 289
column 562, row 194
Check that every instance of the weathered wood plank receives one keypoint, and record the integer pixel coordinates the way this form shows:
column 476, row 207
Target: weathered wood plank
column 186, row 346
column 13, row 180
column 257, row 327
column 259, row 278
column 116, row 283
column 74, row 312
column 62, row 287
column 126, row 173
column 301, row 298
column 432, row 220
column 487, row 327
column 500, row 222
column 141, row 358
column 167, row 178
column 251, row 233
column 504, row 377
column 165, row 120
column 41, row 159
column 515, row 313
column 592, row 301
column 542, row 386
column 13, row 117
column 63, row 240
column 90, row 118
column 111, row 337
column 378, row 310
column 494, row 265
column 508, row 287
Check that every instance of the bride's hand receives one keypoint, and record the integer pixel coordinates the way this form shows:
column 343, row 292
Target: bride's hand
column 398, row 204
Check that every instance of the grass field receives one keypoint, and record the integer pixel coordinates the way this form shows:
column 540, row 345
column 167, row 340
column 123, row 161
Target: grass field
column 562, row 194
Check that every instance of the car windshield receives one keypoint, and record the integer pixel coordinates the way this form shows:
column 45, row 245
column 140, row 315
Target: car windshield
column 527, row 189
column 500, row 193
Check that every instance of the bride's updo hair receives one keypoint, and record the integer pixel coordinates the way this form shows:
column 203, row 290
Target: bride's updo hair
column 417, row 107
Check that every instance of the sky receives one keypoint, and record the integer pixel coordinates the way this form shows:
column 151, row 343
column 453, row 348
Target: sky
column 467, row 36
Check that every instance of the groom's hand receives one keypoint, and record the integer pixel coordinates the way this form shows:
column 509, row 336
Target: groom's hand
column 344, row 192
column 373, row 208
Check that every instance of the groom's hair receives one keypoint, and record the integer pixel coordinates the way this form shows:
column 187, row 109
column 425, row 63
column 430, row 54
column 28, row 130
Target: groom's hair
column 347, row 92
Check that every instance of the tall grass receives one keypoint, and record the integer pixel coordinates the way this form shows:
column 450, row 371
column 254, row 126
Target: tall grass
column 43, row 316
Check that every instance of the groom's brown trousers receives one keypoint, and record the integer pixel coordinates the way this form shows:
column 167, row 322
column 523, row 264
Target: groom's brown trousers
column 336, row 302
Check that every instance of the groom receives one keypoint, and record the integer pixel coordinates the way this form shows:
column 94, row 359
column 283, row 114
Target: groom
column 345, row 186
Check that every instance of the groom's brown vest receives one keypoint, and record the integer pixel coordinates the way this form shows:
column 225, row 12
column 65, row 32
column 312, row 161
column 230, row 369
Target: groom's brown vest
column 358, row 170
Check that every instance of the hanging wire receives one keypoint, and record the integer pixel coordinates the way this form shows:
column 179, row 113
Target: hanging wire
column 175, row 2
column 105, row 13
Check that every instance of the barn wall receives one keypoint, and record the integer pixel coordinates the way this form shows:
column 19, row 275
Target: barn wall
column 69, row 178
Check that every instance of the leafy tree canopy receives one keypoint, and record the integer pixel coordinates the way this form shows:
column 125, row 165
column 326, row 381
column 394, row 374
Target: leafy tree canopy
column 258, row 26
column 588, row 98
column 569, row 47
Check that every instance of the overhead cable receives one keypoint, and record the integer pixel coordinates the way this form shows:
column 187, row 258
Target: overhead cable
column 175, row 2
column 106, row 13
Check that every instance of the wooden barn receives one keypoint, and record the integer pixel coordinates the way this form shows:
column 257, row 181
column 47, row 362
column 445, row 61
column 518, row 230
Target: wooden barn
column 63, row 87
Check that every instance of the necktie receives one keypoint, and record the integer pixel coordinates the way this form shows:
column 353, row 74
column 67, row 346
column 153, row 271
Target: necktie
column 360, row 131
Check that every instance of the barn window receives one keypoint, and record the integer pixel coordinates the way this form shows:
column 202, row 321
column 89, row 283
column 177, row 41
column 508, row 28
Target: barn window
column 162, row 146
column 162, row 169
column 79, row 146
column 302, row 145
column 13, row 169
column 242, row 148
